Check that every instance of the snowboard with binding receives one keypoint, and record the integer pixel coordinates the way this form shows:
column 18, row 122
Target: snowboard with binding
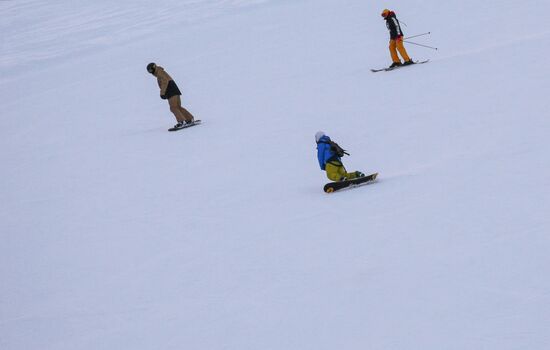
column 397, row 67
column 185, row 126
column 338, row 185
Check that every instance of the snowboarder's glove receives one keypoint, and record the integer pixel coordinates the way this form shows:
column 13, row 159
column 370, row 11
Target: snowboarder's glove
column 163, row 97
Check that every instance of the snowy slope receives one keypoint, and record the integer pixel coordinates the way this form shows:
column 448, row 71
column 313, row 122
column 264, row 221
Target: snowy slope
column 119, row 235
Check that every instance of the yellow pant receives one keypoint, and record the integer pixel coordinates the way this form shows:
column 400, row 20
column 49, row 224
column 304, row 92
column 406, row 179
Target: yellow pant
column 397, row 45
column 336, row 171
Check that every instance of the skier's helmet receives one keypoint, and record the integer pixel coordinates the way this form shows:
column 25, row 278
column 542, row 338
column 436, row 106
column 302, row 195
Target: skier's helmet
column 385, row 13
column 151, row 67
column 318, row 135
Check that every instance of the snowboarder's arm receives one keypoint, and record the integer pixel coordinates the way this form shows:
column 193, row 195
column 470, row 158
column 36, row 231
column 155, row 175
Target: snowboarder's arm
column 321, row 155
column 163, row 84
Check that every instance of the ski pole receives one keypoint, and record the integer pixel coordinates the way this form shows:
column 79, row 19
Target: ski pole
column 429, row 47
column 414, row 36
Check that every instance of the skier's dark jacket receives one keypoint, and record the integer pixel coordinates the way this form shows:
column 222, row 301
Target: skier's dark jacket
column 325, row 154
column 393, row 26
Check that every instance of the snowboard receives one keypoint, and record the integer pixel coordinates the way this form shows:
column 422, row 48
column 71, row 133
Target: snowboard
column 394, row 68
column 196, row 122
column 336, row 186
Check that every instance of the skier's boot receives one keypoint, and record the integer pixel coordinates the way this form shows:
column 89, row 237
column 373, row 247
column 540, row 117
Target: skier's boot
column 408, row 63
column 395, row 64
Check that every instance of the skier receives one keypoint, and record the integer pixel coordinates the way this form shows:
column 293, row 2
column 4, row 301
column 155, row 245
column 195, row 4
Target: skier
column 329, row 155
column 169, row 91
column 396, row 39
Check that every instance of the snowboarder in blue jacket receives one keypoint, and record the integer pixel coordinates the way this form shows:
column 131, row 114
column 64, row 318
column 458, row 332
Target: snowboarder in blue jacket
column 330, row 156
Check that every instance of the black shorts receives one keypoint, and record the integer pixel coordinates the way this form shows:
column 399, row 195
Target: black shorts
column 172, row 89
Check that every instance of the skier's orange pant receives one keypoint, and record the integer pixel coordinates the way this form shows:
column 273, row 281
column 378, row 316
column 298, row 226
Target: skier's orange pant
column 397, row 45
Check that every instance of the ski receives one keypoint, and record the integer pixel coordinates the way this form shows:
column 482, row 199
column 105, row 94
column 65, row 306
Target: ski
column 339, row 185
column 393, row 68
column 196, row 122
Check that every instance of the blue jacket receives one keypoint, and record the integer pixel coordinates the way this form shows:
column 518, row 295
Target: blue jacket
column 324, row 153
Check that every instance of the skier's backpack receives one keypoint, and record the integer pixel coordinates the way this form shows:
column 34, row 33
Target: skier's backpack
column 339, row 151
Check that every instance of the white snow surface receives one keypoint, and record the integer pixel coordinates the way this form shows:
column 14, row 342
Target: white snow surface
column 115, row 234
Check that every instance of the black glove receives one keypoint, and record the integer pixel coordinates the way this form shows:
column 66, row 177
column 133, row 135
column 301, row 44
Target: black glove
column 163, row 97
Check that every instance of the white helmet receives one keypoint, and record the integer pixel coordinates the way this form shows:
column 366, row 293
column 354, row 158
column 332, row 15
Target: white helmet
column 318, row 135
